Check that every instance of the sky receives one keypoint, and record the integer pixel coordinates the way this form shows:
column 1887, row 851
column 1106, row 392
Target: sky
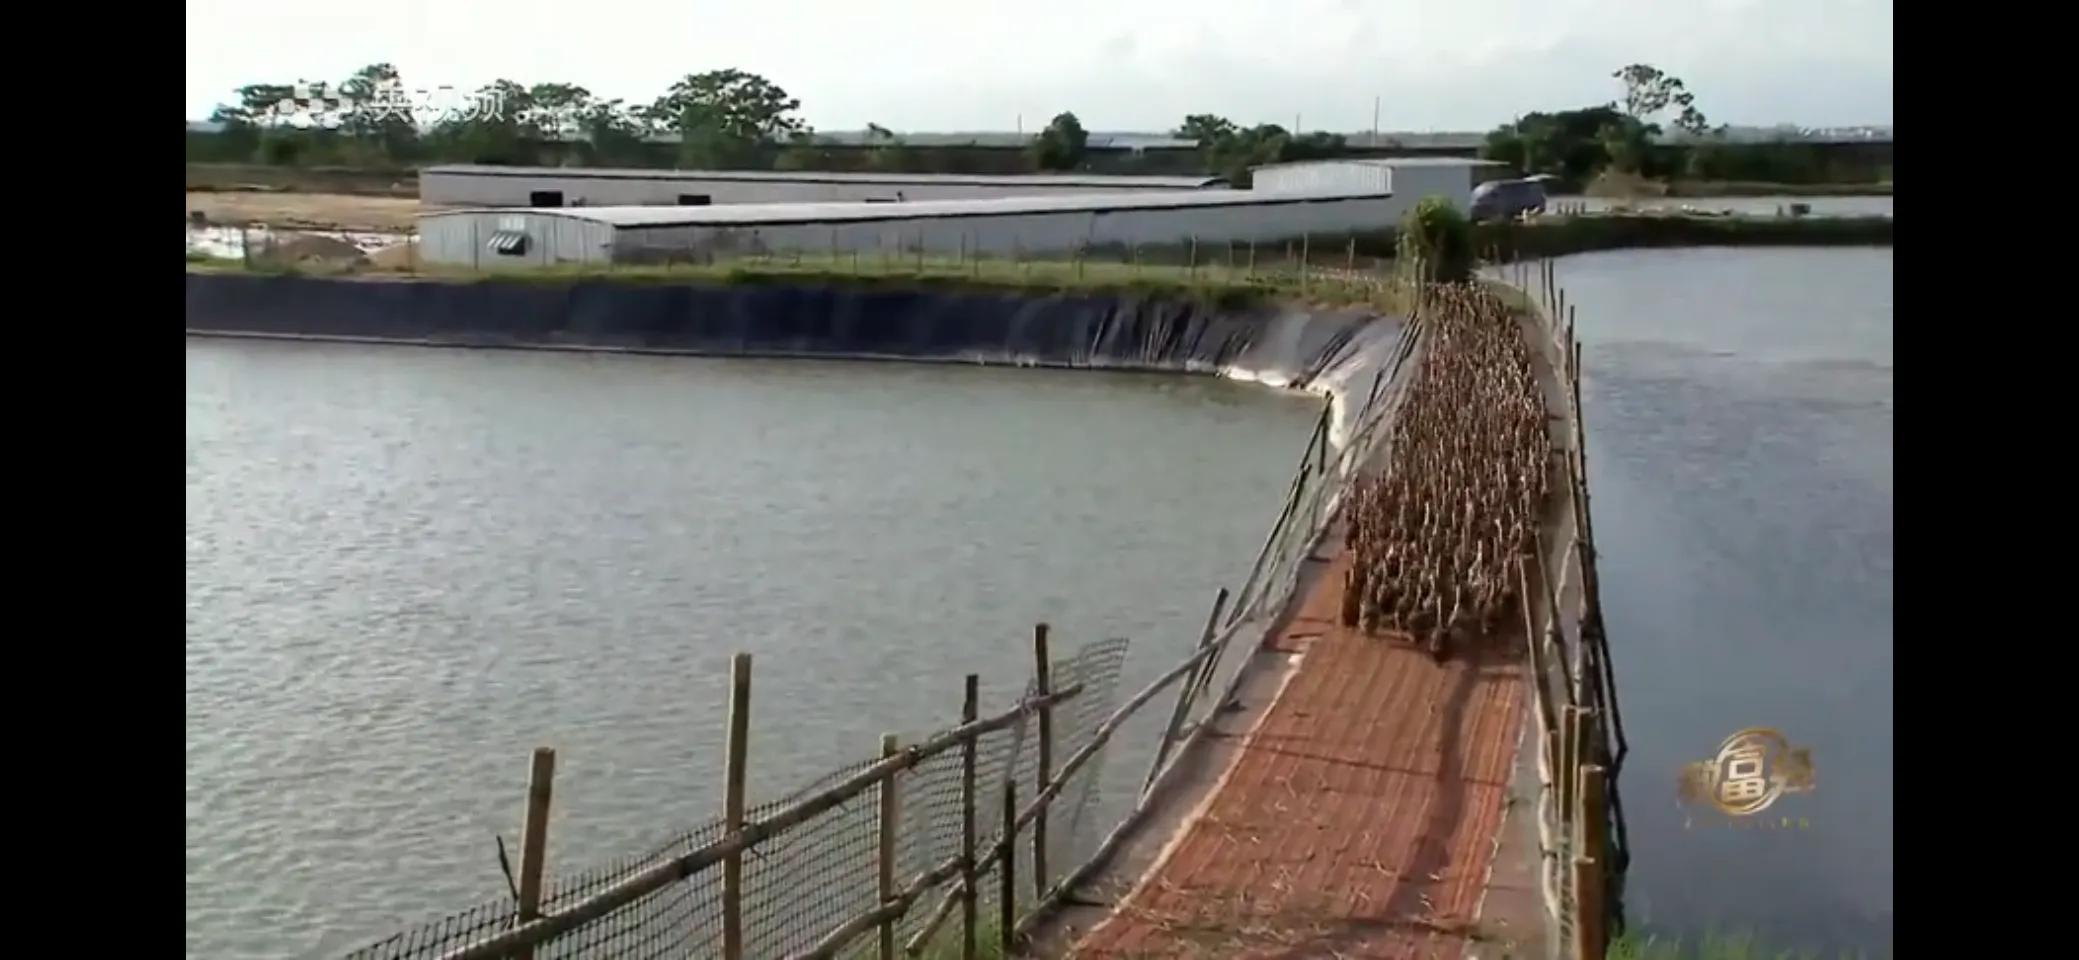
column 1119, row 65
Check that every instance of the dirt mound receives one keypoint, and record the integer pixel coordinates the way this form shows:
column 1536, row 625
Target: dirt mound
column 397, row 256
column 307, row 248
column 1611, row 183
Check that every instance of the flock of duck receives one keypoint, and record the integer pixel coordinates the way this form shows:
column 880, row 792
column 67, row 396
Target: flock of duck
column 1435, row 535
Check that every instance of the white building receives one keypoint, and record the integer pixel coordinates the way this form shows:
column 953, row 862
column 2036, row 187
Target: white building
column 1003, row 226
column 1409, row 179
column 491, row 186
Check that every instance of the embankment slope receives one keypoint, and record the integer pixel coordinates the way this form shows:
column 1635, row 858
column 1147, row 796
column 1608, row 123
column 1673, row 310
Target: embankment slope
column 1327, row 352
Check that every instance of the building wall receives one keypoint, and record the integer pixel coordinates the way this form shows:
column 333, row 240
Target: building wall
column 1409, row 183
column 1318, row 177
column 460, row 238
column 1412, row 184
column 476, row 190
column 1010, row 234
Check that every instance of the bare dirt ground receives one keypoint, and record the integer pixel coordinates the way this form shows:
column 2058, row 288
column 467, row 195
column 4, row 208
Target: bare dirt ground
column 1361, row 817
column 314, row 211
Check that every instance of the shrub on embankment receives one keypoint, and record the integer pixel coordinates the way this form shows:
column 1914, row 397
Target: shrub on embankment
column 1435, row 234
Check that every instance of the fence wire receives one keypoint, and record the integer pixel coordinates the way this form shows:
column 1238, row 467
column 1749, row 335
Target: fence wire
column 808, row 881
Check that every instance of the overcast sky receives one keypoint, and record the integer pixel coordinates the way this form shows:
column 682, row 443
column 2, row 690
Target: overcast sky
column 1118, row 64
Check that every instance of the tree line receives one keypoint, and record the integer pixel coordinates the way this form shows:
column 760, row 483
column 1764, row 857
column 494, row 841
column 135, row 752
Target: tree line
column 729, row 119
column 734, row 119
column 1624, row 136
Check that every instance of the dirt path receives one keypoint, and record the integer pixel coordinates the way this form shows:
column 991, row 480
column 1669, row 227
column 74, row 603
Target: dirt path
column 316, row 211
column 1360, row 819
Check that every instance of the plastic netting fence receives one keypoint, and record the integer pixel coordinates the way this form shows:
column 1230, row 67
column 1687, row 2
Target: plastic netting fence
column 808, row 881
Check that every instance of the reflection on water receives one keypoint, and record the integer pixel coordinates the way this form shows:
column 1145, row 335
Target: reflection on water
column 1739, row 407
column 408, row 567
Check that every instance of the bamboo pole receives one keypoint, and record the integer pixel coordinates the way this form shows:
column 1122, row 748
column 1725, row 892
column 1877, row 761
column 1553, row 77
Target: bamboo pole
column 1192, row 270
column 1540, row 681
column 1252, row 259
column 667, row 872
column 1043, row 681
column 1007, row 881
column 1555, row 637
column 534, row 837
column 836, row 939
column 1075, row 762
column 1305, row 239
column 733, row 804
column 968, row 706
column 1185, row 693
column 891, row 819
column 1569, row 762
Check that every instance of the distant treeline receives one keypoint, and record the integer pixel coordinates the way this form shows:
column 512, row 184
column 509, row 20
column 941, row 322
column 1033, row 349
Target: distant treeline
column 730, row 119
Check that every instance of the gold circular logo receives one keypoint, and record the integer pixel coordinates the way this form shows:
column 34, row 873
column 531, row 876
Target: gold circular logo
column 1749, row 771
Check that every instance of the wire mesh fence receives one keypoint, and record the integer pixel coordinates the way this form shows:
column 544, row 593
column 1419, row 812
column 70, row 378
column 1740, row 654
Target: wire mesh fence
column 803, row 883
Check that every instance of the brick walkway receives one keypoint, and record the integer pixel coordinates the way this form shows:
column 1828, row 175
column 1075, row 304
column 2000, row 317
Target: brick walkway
column 1360, row 818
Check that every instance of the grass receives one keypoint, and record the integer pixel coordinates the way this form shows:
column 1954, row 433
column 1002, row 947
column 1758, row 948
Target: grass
column 1712, row 946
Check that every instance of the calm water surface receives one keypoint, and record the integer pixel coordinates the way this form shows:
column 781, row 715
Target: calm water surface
column 1739, row 407
column 1751, row 206
column 407, row 567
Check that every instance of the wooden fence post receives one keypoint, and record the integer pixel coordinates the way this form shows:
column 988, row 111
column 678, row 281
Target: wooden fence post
column 891, row 819
column 1589, row 919
column 968, row 707
column 1007, row 885
column 733, row 805
column 534, row 838
column 1043, row 684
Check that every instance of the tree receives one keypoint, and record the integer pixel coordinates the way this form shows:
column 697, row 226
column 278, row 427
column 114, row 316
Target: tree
column 1570, row 144
column 1649, row 92
column 1207, row 129
column 505, row 135
column 379, row 112
column 889, row 153
column 727, row 118
column 1060, row 145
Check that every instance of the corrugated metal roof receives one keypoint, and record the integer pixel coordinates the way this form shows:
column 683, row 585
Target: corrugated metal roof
column 820, row 176
column 755, row 214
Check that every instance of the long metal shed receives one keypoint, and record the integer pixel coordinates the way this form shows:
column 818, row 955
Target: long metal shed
column 494, row 186
column 1409, row 179
column 1030, row 225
